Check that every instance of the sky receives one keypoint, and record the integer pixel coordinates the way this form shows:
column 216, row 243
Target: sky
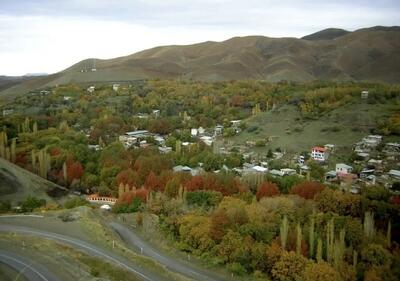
column 47, row 36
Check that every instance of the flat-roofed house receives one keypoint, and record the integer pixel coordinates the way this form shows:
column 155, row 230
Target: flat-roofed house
column 319, row 153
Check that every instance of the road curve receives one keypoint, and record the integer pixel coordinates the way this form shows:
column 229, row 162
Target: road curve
column 133, row 240
column 31, row 270
column 87, row 247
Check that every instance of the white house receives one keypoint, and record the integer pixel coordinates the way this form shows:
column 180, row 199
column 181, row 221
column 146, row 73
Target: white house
column 343, row 168
column 193, row 132
column 91, row 89
column 207, row 140
column 156, row 113
column 319, row 153
column 288, row 172
column 218, row 130
column 8, row 112
column 235, row 123
column 364, row 94
column 115, row 87
column 165, row 149
column 394, row 174
column 372, row 140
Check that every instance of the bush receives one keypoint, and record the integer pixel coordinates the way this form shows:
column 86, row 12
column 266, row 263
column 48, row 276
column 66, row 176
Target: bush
column 375, row 254
column 133, row 207
column 32, row 203
column 252, row 129
column 261, row 143
column 237, row 269
column 5, row 206
column 75, row 202
column 204, row 198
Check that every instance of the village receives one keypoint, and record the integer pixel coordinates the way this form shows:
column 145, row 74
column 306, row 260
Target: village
column 377, row 161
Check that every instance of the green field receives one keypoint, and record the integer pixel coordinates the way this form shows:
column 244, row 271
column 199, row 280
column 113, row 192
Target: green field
column 288, row 130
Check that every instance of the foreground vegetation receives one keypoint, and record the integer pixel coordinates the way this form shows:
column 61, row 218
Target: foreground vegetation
column 289, row 228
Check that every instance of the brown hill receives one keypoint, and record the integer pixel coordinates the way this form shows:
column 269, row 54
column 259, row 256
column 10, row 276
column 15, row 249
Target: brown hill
column 371, row 54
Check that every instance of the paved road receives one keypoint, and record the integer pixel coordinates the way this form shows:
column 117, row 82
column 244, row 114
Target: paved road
column 135, row 241
column 87, row 247
column 31, row 270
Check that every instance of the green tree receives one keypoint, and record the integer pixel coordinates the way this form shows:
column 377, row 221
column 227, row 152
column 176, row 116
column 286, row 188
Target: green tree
column 284, row 229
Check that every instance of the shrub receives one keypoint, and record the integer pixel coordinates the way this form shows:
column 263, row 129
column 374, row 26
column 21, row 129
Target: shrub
column 261, row 143
column 31, row 203
column 75, row 202
column 237, row 269
column 375, row 254
column 5, row 206
column 252, row 129
column 204, row 198
column 133, row 207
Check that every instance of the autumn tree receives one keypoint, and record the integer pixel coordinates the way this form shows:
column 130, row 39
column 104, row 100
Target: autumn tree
column 290, row 267
column 307, row 190
column 74, row 171
column 267, row 189
column 321, row 271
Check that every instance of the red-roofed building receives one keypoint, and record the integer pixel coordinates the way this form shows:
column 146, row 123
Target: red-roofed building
column 319, row 153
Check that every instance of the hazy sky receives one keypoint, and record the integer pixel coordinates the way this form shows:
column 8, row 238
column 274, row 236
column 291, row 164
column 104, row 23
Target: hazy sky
column 50, row 35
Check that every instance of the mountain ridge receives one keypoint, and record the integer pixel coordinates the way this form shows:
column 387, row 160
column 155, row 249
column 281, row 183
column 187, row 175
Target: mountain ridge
column 368, row 54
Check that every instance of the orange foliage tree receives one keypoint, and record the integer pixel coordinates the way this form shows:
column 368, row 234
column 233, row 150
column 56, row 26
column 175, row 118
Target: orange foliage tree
column 267, row 189
column 307, row 189
column 74, row 171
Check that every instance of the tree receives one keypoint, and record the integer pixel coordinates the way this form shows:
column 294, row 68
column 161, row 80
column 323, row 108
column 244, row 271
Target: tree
column 284, row 229
column 74, row 171
column 369, row 225
column 267, row 189
column 12, row 150
column 195, row 232
column 311, row 232
column 319, row 250
column 307, row 190
column 389, row 235
column 219, row 225
column 376, row 255
column 290, row 267
column 299, row 239
column 172, row 187
column 152, row 182
column 321, row 271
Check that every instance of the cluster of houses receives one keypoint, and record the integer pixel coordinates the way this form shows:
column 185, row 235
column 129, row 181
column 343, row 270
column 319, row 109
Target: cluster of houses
column 374, row 156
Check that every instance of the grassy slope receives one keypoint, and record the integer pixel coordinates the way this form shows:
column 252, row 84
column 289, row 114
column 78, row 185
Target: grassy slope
column 23, row 183
column 282, row 123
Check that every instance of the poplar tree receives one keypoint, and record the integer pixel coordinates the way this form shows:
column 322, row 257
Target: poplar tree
column 13, row 148
column 284, row 229
column 389, row 235
column 311, row 236
column 298, row 239
column 369, row 225
column 65, row 172
column 319, row 251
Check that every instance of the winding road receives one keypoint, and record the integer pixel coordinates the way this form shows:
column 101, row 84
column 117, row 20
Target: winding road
column 31, row 270
column 82, row 245
column 133, row 240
